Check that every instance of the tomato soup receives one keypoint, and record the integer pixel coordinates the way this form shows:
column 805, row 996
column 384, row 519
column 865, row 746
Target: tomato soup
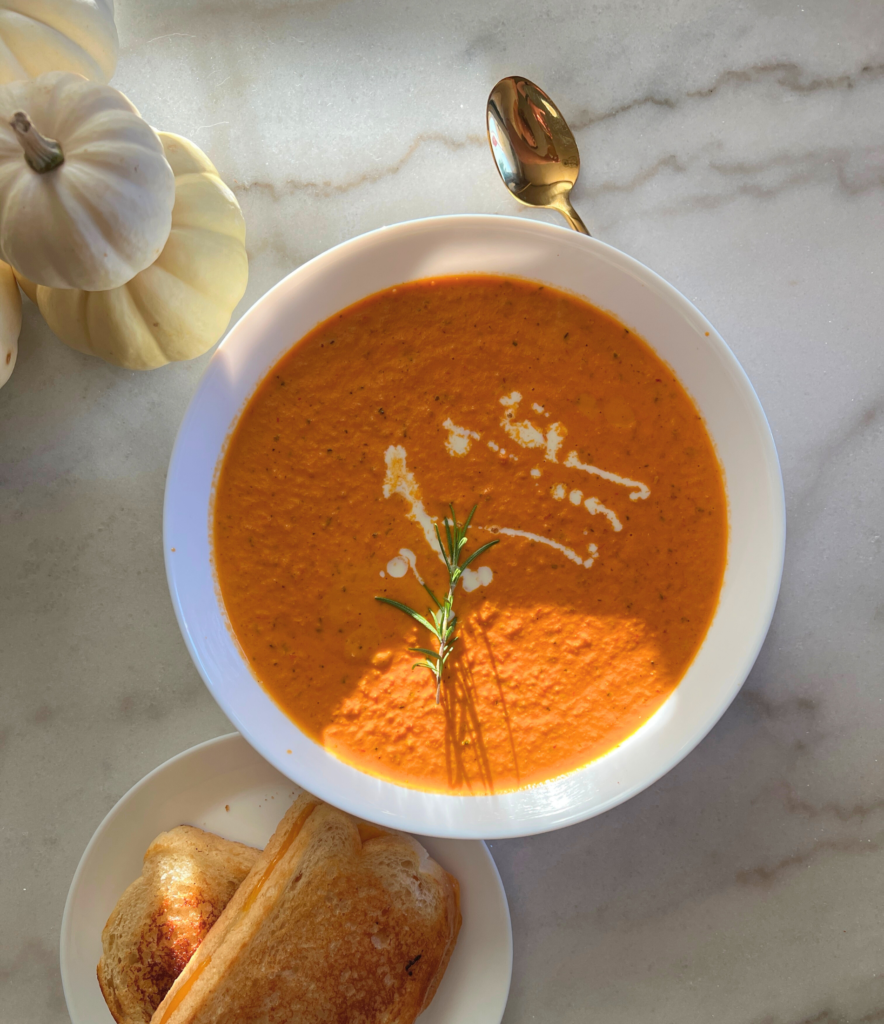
column 586, row 459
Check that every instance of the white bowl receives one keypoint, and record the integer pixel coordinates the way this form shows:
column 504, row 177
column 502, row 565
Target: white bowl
column 645, row 303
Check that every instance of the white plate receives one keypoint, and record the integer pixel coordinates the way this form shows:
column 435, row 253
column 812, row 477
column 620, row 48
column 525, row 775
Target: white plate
column 195, row 788
column 678, row 332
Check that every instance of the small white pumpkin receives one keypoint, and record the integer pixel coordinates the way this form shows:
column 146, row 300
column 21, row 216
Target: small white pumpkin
column 178, row 308
column 85, row 192
column 37, row 36
column 10, row 322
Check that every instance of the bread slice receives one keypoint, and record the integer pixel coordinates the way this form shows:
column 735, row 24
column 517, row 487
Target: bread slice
column 187, row 880
column 337, row 921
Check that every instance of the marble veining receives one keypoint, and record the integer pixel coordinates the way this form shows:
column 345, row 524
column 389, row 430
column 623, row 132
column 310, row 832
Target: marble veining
column 738, row 149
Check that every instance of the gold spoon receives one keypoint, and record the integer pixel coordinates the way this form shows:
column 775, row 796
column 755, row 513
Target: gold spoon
column 533, row 147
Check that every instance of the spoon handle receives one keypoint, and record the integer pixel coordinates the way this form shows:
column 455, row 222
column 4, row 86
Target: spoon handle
column 571, row 216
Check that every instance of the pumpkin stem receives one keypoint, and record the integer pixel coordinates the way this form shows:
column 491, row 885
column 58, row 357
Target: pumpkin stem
column 41, row 154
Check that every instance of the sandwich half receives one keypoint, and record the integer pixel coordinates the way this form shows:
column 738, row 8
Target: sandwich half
column 338, row 921
column 187, row 880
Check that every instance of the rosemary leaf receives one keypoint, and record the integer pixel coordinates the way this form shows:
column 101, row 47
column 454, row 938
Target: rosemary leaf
column 444, row 620
column 476, row 554
column 409, row 611
column 424, row 650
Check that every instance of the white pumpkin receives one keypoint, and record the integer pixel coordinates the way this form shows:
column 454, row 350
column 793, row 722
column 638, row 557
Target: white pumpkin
column 10, row 322
column 37, row 36
column 179, row 307
column 85, row 192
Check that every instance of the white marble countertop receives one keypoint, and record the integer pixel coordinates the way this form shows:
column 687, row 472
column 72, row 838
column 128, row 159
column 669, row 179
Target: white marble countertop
column 736, row 148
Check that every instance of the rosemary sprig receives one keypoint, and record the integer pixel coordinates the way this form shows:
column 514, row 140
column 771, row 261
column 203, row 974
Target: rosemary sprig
column 442, row 622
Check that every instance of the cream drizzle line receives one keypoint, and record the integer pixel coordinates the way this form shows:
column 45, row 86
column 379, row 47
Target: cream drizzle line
column 459, row 438
column 400, row 480
column 508, row 531
column 595, row 507
column 527, row 435
column 642, row 491
column 405, row 560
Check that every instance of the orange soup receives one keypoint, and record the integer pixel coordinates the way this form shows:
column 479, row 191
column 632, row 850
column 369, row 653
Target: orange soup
column 587, row 461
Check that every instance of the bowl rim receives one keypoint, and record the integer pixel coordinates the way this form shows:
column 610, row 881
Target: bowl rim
column 428, row 824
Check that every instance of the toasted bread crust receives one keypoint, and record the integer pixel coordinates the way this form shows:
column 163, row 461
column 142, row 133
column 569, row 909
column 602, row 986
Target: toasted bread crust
column 187, row 879
column 457, row 919
column 328, row 927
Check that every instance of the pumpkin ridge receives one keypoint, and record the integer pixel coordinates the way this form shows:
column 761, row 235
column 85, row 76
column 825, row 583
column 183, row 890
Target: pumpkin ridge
column 85, row 41
column 103, row 120
column 184, row 156
column 7, row 51
column 108, row 303
column 138, row 301
column 179, row 236
column 236, row 229
column 104, row 227
column 78, row 316
column 97, row 219
column 10, row 322
column 224, row 249
column 55, row 257
column 59, row 39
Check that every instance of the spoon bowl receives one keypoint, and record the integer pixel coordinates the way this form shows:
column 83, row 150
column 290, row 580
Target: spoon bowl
column 533, row 147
